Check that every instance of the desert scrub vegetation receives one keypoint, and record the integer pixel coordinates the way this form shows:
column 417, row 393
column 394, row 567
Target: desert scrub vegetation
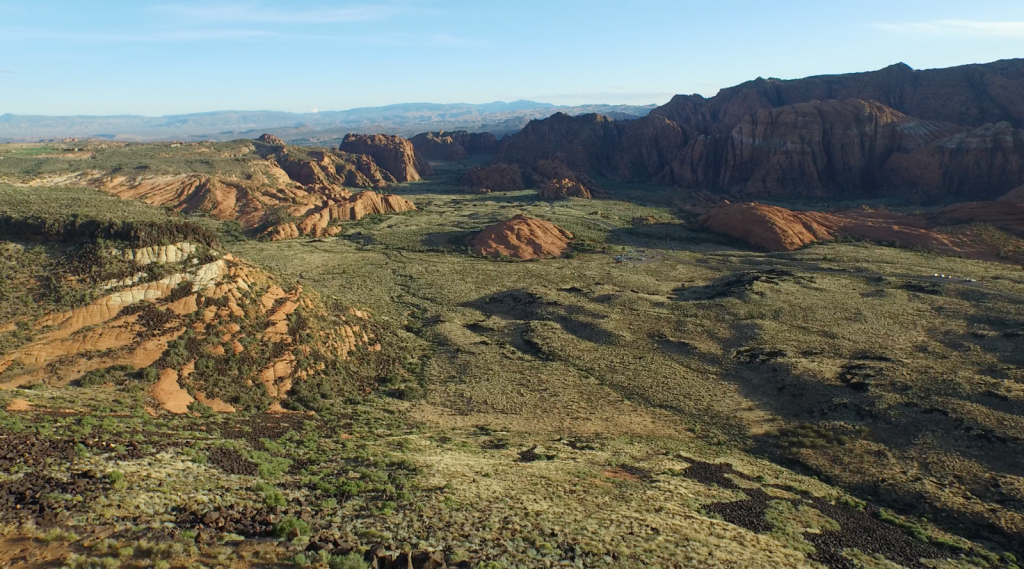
column 24, row 164
column 75, row 213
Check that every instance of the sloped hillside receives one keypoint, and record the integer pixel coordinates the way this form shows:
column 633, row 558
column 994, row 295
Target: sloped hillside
column 92, row 300
column 268, row 188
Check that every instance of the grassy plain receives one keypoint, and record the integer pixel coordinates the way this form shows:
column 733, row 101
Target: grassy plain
column 662, row 398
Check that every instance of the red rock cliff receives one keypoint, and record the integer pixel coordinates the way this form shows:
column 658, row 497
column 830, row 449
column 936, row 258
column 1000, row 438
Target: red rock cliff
column 395, row 154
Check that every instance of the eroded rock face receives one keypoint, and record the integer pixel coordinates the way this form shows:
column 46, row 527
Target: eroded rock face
column 495, row 178
column 522, row 238
column 981, row 164
column 327, row 169
column 453, row 145
column 474, row 142
column 188, row 327
column 639, row 149
column 920, row 136
column 438, row 146
column 317, row 221
column 809, row 150
column 1005, row 215
column 395, row 154
column 310, row 185
column 563, row 189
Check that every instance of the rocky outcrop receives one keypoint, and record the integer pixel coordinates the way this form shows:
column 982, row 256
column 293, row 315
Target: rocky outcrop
column 769, row 227
column 474, row 142
column 438, row 146
column 563, row 189
column 270, row 139
column 190, row 328
column 593, row 143
column 775, row 228
column 326, row 169
column 307, row 185
column 321, row 220
column 1006, row 215
column 827, row 149
column 453, row 145
column 159, row 254
column 982, row 164
column 1015, row 195
column 919, row 136
column 395, row 154
column 522, row 238
column 495, row 178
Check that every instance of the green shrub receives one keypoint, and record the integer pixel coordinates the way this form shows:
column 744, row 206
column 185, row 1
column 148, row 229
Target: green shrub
column 271, row 495
column 113, row 374
column 116, row 479
column 409, row 393
column 201, row 409
column 351, row 561
column 289, row 527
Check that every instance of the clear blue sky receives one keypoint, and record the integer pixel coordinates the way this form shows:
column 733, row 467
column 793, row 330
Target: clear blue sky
column 178, row 56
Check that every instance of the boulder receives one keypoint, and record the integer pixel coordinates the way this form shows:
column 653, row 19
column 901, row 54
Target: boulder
column 392, row 153
column 563, row 189
column 522, row 238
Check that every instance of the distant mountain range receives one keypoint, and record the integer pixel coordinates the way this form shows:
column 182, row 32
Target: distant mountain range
column 408, row 119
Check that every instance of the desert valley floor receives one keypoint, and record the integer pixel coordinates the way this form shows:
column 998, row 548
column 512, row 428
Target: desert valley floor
column 219, row 386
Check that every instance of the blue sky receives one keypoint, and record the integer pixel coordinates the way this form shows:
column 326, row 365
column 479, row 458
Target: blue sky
column 180, row 56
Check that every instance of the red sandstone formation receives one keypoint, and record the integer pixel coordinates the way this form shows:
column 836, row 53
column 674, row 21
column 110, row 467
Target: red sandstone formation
column 778, row 229
column 316, row 221
column 267, row 138
column 395, row 154
column 451, row 146
column 438, row 146
column 522, row 238
column 496, row 178
column 563, row 189
column 918, row 136
column 769, row 227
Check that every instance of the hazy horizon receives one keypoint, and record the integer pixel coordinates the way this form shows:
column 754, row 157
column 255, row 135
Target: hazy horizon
column 182, row 57
column 538, row 104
